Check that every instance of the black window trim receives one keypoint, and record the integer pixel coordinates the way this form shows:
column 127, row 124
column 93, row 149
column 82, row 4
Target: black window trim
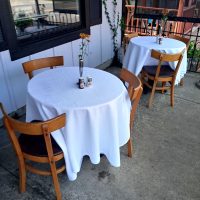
column 19, row 49
column 3, row 44
column 96, row 16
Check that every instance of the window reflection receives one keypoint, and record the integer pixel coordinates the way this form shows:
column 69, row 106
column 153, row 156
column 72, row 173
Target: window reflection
column 32, row 17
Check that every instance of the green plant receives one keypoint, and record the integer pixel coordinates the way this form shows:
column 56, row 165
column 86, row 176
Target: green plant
column 164, row 19
column 23, row 23
column 193, row 50
column 114, row 23
column 83, row 46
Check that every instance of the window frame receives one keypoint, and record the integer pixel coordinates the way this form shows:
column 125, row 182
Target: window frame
column 18, row 49
column 96, row 17
column 3, row 44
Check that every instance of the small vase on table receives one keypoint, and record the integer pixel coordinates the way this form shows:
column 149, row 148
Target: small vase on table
column 81, row 63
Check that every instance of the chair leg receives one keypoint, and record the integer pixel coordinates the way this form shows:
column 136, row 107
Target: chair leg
column 142, row 78
column 163, row 84
column 181, row 82
column 22, row 175
column 172, row 96
column 55, row 181
column 130, row 148
column 152, row 94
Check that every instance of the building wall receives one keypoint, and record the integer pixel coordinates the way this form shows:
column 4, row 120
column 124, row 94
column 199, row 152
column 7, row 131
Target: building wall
column 13, row 81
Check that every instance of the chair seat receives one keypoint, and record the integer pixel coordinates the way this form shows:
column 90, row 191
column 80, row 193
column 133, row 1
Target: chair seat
column 165, row 70
column 35, row 145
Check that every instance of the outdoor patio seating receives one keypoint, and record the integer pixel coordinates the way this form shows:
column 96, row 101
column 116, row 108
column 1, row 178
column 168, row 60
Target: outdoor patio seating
column 95, row 125
column 92, row 103
column 35, row 144
column 138, row 54
column 182, row 39
column 135, row 90
column 36, row 64
column 161, row 74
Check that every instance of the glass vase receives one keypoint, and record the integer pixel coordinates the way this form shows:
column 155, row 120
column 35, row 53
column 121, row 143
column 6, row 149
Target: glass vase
column 81, row 63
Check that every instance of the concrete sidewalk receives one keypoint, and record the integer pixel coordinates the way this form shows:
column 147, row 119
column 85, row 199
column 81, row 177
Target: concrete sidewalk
column 165, row 165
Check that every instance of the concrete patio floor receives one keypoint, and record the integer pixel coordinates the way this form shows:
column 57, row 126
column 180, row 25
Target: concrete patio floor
column 165, row 165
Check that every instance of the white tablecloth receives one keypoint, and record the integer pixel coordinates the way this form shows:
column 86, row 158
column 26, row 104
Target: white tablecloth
column 97, row 116
column 139, row 49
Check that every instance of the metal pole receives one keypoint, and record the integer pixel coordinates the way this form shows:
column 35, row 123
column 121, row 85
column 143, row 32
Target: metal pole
column 37, row 7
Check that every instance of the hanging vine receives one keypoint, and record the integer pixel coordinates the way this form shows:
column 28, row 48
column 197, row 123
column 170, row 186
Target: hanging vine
column 114, row 23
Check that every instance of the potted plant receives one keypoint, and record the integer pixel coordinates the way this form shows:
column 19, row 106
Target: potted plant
column 114, row 22
column 193, row 51
column 193, row 55
column 23, row 23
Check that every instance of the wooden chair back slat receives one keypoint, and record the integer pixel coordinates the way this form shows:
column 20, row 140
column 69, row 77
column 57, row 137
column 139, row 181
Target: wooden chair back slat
column 132, row 80
column 182, row 39
column 135, row 91
column 162, row 57
column 165, row 57
column 177, row 67
column 36, row 127
column 127, row 38
column 41, row 63
column 134, row 106
column 13, row 137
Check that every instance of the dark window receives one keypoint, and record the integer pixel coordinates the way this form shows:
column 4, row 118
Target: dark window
column 66, row 7
column 36, row 25
column 2, row 41
column 1, row 36
column 3, row 45
column 35, row 17
column 194, row 2
column 95, row 12
column 186, row 3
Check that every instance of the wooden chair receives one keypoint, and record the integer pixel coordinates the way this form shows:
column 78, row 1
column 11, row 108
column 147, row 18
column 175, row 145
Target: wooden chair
column 134, row 90
column 127, row 38
column 36, row 144
column 182, row 39
column 161, row 74
column 36, row 64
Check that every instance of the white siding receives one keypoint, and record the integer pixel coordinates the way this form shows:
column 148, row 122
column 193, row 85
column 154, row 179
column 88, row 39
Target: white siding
column 65, row 50
column 13, row 81
column 5, row 93
column 16, row 81
column 95, row 48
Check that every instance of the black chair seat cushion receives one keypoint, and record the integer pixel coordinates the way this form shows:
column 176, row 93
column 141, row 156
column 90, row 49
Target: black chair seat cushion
column 165, row 70
column 35, row 145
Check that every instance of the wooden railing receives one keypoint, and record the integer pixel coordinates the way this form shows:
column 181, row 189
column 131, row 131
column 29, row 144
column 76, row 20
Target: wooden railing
column 142, row 26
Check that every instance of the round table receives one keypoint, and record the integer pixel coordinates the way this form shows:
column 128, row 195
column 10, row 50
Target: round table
column 139, row 49
column 97, row 116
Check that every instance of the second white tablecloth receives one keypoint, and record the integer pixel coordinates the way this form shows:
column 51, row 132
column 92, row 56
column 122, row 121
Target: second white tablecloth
column 139, row 49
